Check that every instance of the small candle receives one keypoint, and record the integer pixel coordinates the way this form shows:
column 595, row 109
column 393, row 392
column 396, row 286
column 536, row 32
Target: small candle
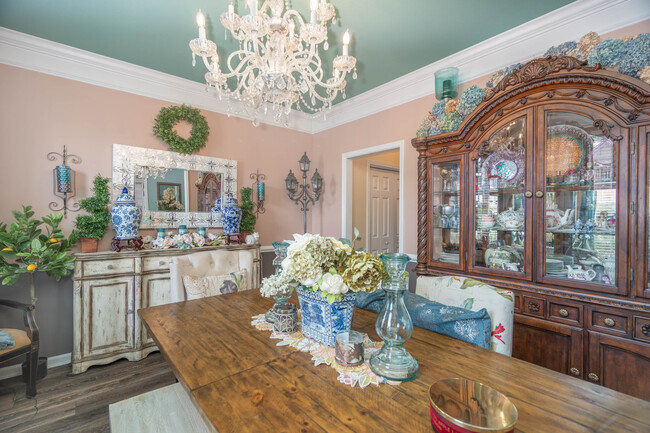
column 346, row 42
column 200, row 20
column 252, row 5
column 292, row 28
column 231, row 9
column 349, row 348
column 314, row 10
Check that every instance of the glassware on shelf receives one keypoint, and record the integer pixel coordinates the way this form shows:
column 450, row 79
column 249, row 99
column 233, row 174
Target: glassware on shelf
column 280, row 248
column 445, row 205
column 499, row 203
column 580, row 239
column 394, row 325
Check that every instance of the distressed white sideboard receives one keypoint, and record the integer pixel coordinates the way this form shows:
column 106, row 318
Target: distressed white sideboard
column 109, row 289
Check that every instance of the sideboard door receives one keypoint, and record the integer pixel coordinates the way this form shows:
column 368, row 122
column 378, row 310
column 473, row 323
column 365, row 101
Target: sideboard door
column 156, row 290
column 107, row 315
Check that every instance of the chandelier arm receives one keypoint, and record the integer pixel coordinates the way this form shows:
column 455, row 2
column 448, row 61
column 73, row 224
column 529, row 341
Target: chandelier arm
column 291, row 12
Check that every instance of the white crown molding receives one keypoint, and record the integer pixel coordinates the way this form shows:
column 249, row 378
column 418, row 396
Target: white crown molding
column 52, row 361
column 521, row 43
column 41, row 55
column 524, row 42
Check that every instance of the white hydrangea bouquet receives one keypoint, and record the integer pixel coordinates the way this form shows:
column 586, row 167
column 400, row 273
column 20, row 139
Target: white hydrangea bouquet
column 327, row 266
column 185, row 241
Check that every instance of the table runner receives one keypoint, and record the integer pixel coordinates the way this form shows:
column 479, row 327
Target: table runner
column 360, row 375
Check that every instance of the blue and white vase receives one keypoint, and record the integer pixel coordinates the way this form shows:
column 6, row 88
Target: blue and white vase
column 126, row 216
column 231, row 216
column 322, row 321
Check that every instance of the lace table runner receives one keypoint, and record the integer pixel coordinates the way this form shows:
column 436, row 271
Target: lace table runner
column 360, row 375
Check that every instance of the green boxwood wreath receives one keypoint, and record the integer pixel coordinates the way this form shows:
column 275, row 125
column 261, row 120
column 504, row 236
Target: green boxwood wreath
column 170, row 116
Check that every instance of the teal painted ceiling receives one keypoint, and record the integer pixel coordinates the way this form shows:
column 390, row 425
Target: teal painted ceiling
column 389, row 38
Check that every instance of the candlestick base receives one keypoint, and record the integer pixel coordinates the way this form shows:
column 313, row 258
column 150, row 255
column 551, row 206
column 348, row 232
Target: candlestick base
column 394, row 363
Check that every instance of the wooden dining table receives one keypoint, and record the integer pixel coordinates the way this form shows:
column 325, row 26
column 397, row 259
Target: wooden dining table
column 240, row 380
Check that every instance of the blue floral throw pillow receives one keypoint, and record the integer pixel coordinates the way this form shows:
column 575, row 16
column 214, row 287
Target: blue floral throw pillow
column 473, row 327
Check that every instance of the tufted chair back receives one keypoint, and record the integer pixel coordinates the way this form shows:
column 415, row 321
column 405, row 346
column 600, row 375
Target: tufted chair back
column 208, row 263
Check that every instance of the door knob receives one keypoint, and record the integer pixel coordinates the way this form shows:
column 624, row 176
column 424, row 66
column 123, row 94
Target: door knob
column 539, row 194
column 564, row 313
column 609, row 322
column 574, row 372
column 593, row 377
column 528, row 194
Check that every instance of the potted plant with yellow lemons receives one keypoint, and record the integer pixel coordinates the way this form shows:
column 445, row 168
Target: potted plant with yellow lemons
column 30, row 245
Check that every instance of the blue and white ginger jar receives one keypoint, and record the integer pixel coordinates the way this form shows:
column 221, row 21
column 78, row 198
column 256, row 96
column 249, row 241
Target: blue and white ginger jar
column 322, row 321
column 230, row 216
column 126, row 216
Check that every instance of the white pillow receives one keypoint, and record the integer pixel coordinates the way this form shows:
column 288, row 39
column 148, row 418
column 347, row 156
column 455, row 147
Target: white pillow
column 212, row 285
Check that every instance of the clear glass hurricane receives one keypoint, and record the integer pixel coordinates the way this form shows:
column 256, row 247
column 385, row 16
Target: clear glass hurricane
column 280, row 248
column 394, row 324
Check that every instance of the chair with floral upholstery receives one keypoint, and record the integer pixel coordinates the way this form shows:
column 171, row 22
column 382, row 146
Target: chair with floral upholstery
column 473, row 295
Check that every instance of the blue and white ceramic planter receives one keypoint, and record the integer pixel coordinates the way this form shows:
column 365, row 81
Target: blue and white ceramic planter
column 126, row 216
column 322, row 321
column 231, row 216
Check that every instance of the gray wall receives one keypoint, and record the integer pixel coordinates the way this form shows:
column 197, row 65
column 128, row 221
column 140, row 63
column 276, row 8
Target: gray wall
column 54, row 307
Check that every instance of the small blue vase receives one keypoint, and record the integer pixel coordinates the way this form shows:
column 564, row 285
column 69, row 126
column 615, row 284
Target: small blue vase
column 322, row 321
column 231, row 216
column 126, row 216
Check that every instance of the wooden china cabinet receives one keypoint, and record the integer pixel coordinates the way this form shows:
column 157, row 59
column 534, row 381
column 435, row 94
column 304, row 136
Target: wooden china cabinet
column 544, row 190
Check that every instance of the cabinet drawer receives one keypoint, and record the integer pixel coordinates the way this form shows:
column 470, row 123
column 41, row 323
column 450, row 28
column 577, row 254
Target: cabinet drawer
column 642, row 328
column 565, row 313
column 108, row 267
column 611, row 322
column 155, row 264
column 533, row 306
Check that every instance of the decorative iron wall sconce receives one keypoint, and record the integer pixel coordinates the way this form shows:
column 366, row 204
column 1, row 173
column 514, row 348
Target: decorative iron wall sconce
column 259, row 189
column 303, row 196
column 64, row 182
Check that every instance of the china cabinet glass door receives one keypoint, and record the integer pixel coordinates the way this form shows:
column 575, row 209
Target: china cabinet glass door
column 500, row 211
column 446, row 205
column 581, row 201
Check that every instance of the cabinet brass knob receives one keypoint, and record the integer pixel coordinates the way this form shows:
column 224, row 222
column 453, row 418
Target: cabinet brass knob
column 593, row 377
column 564, row 313
column 609, row 322
column 574, row 372
column 528, row 194
column 129, row 311
column 539, row 194
column 109, row 267
column 161, row 263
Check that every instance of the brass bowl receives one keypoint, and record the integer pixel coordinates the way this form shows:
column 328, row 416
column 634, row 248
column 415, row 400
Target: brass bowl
column 462, row 405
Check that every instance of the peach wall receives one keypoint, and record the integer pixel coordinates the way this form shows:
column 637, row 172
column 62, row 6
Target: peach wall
column 395, row 124
column 41, row 113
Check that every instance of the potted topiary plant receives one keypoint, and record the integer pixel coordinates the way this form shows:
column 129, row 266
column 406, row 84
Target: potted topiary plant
column 26, row 248
column 248, row 219
column 92, row 227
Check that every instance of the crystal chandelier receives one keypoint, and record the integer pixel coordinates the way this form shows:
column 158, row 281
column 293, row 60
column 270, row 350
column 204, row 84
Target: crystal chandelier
column 277, row 65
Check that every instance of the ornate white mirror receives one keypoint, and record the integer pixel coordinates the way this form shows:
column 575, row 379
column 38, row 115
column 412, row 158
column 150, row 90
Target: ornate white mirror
column 173, row 189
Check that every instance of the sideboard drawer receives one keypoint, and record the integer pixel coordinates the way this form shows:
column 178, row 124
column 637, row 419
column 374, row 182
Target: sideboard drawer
column 642, row 328
column 607, row 321
column 533, row 306
column 155, row 264
column 108, row 267
column 565, row 313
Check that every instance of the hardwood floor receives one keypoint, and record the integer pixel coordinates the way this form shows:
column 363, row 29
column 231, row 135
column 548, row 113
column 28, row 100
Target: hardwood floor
column 79, row 403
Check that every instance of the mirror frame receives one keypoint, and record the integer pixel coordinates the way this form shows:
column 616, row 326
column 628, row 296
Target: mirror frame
column 127, row 159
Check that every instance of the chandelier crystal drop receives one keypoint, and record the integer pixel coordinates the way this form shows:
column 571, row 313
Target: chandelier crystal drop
column 277, row 66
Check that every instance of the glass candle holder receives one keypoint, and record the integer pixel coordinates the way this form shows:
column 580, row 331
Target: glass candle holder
column 280, row 248
column 182, row 229
column 446, row 83
column 160, row 233
column 202, row 231
column 394, row 324
column 286, row 318
column 349, row 348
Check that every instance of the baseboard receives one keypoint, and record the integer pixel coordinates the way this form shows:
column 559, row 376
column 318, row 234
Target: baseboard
column 52, row 361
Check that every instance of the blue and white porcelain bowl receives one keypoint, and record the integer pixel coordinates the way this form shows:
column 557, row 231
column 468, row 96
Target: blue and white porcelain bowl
column 126, row 216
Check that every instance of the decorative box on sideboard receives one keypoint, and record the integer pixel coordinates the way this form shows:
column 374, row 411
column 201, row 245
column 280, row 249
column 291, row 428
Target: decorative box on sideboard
column 543, row 190
column 109, row 289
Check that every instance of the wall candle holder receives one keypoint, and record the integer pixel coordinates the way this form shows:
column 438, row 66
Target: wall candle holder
column 303, row 197
column 64, row 182
column 260, row 191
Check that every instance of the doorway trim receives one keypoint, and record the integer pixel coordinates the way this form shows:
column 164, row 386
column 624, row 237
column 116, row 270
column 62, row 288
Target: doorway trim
column 346, row 186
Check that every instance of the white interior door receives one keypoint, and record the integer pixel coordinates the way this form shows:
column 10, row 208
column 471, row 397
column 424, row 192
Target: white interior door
column 383, row 205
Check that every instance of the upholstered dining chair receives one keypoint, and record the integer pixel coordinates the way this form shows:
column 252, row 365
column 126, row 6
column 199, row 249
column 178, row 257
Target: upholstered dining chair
column 473, row 295
column 25, row 343
column 211, row 273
